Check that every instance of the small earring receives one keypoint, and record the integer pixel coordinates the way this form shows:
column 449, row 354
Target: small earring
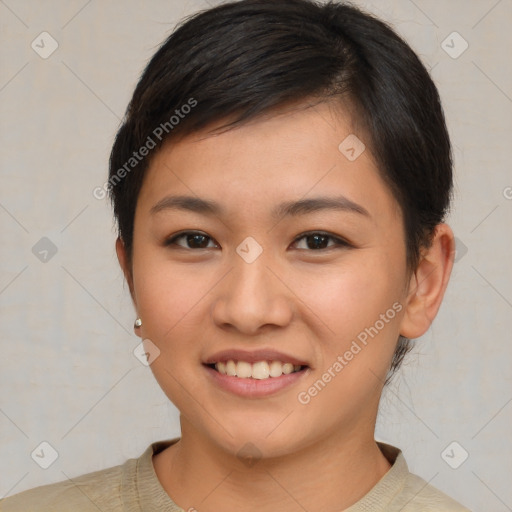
column 138, row 323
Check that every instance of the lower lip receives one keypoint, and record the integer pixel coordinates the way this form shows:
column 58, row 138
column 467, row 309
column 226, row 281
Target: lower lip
column 255, row 388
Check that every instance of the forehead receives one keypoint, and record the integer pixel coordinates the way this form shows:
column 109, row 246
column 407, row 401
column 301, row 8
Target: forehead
column 294, row 153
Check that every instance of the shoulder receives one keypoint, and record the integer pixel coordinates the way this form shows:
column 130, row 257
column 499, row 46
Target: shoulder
column 419, row 496
column 402, row 491
column 100, row 490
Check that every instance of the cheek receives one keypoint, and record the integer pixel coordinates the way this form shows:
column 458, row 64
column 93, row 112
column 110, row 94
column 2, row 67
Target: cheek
column 172, row 297
column 360, row 307
column 351, row 296
column 169, row 299
column 173, row 307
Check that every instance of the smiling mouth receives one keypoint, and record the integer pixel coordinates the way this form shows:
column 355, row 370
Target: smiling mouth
column 259, row 370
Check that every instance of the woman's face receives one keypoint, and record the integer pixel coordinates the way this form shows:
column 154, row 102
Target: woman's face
column 272, row 274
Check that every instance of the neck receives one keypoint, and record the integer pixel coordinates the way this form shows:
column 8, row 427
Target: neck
column 197, row 474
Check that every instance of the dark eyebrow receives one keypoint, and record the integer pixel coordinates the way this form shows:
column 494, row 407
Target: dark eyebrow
column 304, row 206
column 290, row 208
column 193, row 204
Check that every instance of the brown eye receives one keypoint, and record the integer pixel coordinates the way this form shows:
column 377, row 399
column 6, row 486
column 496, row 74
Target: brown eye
column 318, row 241
column 192, row 240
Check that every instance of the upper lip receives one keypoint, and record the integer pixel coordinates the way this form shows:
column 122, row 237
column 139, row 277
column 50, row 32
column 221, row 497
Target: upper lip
column 253, row 356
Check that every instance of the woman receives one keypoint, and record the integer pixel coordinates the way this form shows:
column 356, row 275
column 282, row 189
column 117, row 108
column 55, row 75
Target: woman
column 280, row 182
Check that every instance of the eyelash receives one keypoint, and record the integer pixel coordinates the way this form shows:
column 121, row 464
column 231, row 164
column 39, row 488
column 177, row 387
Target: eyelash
column 339, row 242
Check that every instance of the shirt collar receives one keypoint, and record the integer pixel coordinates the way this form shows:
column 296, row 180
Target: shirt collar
column 147, row 491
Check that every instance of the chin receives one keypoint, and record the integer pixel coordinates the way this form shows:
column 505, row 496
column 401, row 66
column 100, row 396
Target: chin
column 253, row 440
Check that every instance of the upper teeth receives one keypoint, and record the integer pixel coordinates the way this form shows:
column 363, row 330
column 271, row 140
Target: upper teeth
column 259, row 370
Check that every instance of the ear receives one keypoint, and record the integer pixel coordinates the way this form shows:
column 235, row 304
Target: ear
column 124, row 262
column 428, row 283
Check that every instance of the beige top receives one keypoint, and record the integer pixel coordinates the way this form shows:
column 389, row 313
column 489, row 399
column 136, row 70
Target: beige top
column 134, row 487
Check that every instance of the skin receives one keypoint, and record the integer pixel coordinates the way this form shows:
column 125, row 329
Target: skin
column 311, row 303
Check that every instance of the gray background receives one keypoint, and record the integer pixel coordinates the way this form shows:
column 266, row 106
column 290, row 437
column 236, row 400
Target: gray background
column 67, row 372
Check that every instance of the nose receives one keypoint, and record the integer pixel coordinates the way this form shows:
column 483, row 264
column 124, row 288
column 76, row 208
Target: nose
column 251, row 298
